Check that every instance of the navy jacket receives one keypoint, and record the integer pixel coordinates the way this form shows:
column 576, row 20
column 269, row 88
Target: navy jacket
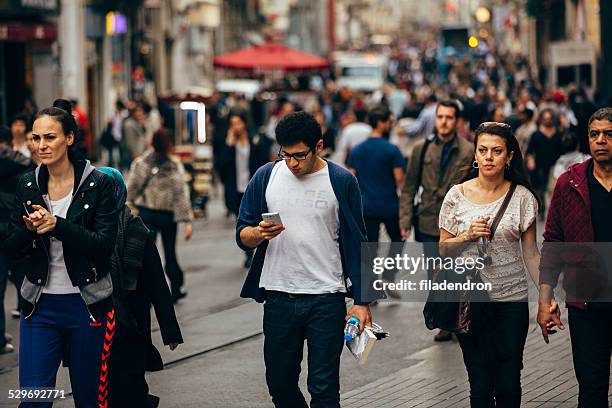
column 352, row 233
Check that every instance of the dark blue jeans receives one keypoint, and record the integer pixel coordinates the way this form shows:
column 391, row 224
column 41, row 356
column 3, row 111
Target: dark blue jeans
column 60, row 327
column 591, row 334
column 288, row 321
column 493, row 356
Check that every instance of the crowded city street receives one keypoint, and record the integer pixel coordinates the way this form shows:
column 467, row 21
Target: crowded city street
column 305, row 203
column 220, row 364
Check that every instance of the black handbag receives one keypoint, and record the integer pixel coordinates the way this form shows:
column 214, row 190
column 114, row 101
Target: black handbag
column 461, row 311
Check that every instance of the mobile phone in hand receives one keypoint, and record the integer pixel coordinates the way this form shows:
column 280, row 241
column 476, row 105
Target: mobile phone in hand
column 272, row 217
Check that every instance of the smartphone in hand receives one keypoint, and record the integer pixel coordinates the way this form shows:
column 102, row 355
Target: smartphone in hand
column 272, row 217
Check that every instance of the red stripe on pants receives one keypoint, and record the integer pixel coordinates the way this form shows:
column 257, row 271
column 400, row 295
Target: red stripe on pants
column 106, row 349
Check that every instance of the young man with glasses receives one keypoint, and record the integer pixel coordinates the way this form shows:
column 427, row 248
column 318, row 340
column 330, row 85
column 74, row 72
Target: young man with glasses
column 304, row 268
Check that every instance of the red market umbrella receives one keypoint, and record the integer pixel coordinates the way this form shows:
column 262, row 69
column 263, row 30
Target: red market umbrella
column 270, row 56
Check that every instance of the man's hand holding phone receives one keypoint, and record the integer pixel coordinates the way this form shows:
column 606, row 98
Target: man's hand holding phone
column 269, row 230
column 271, row 226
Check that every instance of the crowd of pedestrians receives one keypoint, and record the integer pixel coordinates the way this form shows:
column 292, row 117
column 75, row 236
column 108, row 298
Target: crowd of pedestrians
column 446, row 154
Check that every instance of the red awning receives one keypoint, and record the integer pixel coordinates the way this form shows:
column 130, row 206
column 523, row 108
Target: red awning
column 270, row 57
column 14, row 31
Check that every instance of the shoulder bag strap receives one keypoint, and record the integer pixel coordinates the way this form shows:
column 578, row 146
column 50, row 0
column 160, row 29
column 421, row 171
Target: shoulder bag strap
column 419, row 175
column 502, row 210
column 145, row 184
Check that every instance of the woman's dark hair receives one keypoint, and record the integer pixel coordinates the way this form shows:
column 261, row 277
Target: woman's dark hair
column 298, row 127
column 517, row 173
column 570, row 142
column 543, row 112
column 241, row 114
column 361, row 114
column 61, row 111
column 162, row 142
column 20, row 117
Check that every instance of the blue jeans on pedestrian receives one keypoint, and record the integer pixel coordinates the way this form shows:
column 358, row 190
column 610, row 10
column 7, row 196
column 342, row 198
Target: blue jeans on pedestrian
column 3, row 277
column 61, row 327
column 288, row 321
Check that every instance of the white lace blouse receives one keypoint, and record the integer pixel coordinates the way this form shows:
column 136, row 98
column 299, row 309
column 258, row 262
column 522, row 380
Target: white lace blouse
column 507, row 272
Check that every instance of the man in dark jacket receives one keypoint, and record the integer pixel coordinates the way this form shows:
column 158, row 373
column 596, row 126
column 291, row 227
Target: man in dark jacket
column 138, row 282
column 12, row 165
column 580, row 213
column 435, row 166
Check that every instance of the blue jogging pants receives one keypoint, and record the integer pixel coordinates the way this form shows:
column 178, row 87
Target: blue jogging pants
column 61, row 327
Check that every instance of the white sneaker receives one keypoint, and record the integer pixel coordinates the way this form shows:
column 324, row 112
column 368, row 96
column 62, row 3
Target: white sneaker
column 7, row 348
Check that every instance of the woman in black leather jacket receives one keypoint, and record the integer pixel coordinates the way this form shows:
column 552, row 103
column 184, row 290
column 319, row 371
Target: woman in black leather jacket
column 62, row 234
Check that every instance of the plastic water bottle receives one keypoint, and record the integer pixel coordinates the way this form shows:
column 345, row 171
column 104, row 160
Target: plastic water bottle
column 351, row 330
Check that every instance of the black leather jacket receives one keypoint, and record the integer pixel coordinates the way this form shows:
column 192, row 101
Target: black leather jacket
column 88, row 236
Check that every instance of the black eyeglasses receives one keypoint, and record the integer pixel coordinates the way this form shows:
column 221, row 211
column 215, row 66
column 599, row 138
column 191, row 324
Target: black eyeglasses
column 297, row 156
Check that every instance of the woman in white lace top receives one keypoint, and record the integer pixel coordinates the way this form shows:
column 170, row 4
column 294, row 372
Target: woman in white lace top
column 493, row 352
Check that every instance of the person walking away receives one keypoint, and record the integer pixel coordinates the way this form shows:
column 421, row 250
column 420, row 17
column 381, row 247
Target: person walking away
column 158, row 193
column 62, row 233
column 571, row 155
column 493, row 350
column 242, row 156
column 352, row 135
column 545, row 147
column 19, row 127
column 12, row 165
column 526, row 129
column 434, row 167
column 379, row 168
column 322, row 229
column 134, row 136
column 119, row 115
column 425, row 122
column 580, row 213
column 138, row 283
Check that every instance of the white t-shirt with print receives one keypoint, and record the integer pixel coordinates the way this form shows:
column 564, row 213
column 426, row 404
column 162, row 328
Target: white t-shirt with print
column 305, row 257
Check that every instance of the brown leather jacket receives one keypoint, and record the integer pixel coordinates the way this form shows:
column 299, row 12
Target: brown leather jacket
column 435, row 185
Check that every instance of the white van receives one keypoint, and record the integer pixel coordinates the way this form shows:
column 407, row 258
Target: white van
column 360, row 71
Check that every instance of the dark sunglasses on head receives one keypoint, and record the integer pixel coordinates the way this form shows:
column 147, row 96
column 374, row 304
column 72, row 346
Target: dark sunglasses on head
column 500, row 124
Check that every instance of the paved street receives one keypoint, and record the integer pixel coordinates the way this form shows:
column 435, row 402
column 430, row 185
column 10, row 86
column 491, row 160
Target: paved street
column 221, row 362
